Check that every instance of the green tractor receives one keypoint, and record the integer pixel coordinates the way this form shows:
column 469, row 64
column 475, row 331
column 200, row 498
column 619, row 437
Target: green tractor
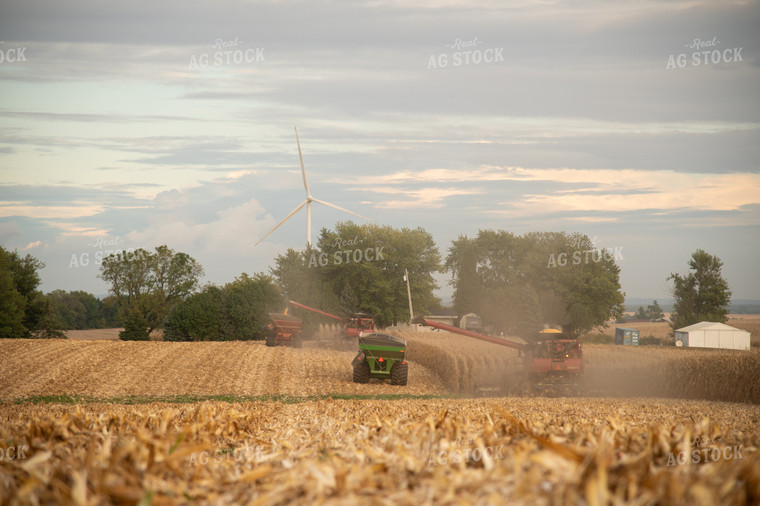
column 381, row 356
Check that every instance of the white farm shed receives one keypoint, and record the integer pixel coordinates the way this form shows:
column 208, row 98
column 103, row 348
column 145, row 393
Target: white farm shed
column 712, row 335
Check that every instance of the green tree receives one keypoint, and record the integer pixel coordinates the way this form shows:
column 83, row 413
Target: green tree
column 370, row 260
column 197, row 318
column 702, row 294
column 248, row 302
column 237, row 311
column 306, row 284
column 577, row 286
column 21, row 293
column 654, row 311
column 173, row 276
column 135, row 327
column 109, row 312
column 377, row 280
column 12, row 303
column 529, row 320
column 553, row 309
column 151, row 283
column 76, row 310
column 462, row 262
column 642, row 314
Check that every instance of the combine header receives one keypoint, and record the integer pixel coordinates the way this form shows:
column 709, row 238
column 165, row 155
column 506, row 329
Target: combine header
column 353, row 326
column 550, row 360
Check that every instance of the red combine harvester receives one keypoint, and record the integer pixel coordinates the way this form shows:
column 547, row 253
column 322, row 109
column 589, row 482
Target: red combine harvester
column 551, row 360
column 284, row 330
column 353, row 326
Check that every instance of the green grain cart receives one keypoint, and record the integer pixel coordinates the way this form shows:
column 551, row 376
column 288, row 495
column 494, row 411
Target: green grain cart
column 381, row 356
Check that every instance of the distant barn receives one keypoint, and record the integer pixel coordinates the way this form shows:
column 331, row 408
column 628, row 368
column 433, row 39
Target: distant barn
column 446, row 316
column 712, row 335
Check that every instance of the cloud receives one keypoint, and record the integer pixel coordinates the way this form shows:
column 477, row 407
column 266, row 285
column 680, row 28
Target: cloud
column 30, row 210
column 576, row 189
column 611, row 191
column 580, row 126
column 423, row 198
column 9, row 231
column 233, row 232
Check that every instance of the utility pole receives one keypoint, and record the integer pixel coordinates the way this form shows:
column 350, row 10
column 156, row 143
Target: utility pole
column 409, row 294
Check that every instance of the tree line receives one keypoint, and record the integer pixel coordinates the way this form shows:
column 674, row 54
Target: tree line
column 27, row 312
column 517, row 283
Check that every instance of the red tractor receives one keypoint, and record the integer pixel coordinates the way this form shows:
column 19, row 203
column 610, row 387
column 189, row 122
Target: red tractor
column 552, row 360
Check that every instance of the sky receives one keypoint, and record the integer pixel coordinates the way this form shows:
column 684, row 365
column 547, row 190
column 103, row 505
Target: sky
column 135, row 124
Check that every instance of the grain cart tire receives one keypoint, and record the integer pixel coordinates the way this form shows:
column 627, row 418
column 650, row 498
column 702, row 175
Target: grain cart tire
column 271, row 340
column 298, row 342
column 399, row 373
column 361, row 372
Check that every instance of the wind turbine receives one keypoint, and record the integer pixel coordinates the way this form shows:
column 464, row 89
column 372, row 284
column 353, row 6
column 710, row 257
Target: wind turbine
column 307, row 203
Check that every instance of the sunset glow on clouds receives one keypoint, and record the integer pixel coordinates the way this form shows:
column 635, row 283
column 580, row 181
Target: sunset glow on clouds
column 109, row 133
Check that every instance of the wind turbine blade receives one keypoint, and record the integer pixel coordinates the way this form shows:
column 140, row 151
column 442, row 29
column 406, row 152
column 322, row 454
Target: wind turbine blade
column 341, row 209
column 294, row 211
column 303, row 170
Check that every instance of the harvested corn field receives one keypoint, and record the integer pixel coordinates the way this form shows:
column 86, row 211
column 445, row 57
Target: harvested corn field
column 306, row 449
column 439, row 451
column 440, row 362
column 464, row 365
column 106, row 369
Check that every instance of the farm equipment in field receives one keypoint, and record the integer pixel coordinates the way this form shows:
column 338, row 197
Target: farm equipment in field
column 381, row 356
column 284, row 330
column 551, row 360
column 353, row 325
column 555, row 360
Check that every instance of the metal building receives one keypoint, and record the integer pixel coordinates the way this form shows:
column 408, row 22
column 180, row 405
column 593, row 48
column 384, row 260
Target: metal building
column 712, row 335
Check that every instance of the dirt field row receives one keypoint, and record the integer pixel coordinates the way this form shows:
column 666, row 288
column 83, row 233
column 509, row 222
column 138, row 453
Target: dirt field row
column 105, row 369
column 440, row 451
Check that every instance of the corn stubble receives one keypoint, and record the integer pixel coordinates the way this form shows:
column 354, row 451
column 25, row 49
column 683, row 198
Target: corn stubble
column 519, row 450
column 529, row 451
column 465, row 364
column 108, row 369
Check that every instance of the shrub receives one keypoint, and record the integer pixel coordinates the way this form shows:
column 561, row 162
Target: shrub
column 237, row 311
column 135, row 328
column 649, row 340
column 596, row 338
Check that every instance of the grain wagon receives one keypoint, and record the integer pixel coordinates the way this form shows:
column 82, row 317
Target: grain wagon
column 381, row 356
column 285, row 330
